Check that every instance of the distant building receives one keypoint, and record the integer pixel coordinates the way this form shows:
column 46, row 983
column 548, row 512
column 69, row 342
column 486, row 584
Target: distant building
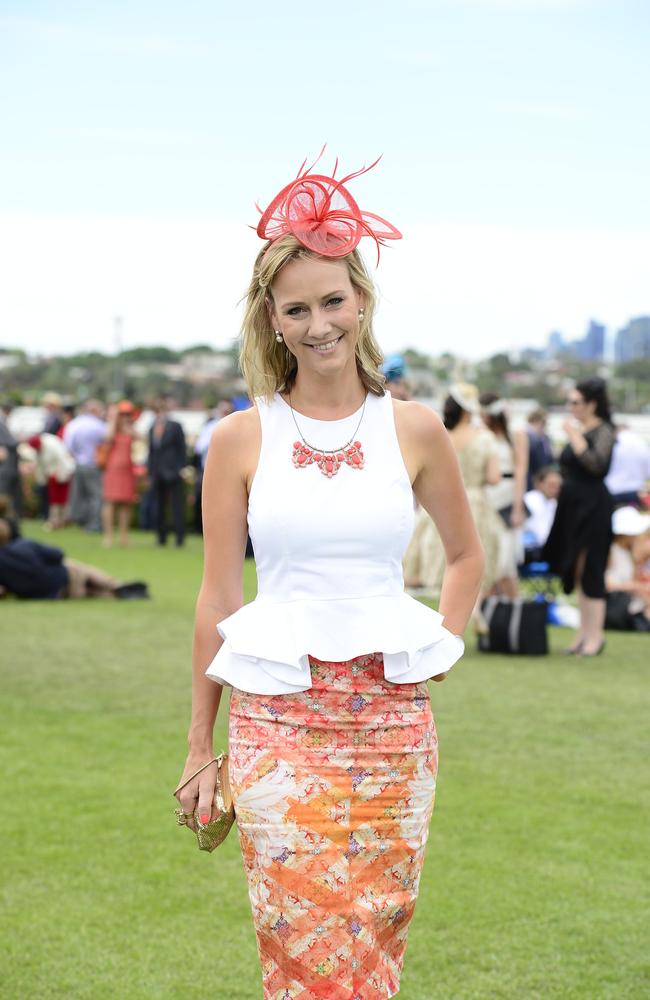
column 633, row 341
column 592, row 345
column 556, row 344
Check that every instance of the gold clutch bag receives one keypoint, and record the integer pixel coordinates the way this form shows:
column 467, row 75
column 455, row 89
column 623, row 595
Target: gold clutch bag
column 210, row 835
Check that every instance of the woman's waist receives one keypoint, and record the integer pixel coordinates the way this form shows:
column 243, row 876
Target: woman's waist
column 120, row 467
column 344, row 695
column 324, row 578
column 575, row 484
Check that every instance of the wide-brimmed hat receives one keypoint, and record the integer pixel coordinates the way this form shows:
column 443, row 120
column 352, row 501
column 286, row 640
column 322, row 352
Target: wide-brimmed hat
column 466, row 395
column 51, row 399
column 629, row 521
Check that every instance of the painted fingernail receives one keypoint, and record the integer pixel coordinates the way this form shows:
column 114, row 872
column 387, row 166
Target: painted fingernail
column 205, row 818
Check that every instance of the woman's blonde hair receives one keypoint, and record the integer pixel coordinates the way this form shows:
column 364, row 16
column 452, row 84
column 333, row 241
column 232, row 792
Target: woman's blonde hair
column 267, row 365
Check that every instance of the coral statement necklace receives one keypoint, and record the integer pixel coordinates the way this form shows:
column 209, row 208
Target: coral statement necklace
column 328, row 460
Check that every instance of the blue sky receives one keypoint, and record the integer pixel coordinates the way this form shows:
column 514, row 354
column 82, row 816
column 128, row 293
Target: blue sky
column 138, row 136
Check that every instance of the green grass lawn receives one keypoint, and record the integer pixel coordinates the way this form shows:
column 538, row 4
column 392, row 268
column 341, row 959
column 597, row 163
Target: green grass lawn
column 535, row 883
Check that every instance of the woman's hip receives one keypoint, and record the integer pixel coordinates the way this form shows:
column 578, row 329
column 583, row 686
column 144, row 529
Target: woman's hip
column 349, row 705
column 353, row 757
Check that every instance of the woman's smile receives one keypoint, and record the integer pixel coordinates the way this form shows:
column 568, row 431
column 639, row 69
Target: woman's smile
column 328, row 347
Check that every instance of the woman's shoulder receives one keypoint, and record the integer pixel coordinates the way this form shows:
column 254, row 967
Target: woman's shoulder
column 416, row 419
column 234, row 447
column 238, row 427
column 603, row 430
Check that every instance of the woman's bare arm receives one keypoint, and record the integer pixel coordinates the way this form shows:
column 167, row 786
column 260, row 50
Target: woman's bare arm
column 224, row 504
column 111, row 423
column 435, row 474
column 521, row 449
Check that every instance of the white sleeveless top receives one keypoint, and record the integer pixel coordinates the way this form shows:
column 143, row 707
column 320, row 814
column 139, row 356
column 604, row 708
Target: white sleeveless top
column 329, row 561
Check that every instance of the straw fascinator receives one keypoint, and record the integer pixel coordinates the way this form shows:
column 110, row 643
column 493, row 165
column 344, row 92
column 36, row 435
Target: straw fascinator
column 320, row 213
column 465, row 395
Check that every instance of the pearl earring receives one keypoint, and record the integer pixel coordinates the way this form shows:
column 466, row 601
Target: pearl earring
column 278, row 336
column 361, row 313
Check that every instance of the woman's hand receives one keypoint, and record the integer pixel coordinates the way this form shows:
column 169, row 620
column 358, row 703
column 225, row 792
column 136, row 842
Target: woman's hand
column 197, row 796
column 517, row 517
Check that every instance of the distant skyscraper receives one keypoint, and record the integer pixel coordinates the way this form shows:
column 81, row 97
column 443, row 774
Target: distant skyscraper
column 556, row 344
column 592, row 345
column 633, row 341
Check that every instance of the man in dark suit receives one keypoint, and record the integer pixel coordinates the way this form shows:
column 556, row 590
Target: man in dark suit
column 167, row 459
column 540, row 450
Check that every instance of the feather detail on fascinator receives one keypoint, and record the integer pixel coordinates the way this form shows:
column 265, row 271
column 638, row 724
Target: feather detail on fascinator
column 322, row 214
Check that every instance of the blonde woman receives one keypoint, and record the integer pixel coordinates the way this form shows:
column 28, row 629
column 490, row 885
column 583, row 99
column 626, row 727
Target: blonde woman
column 332, row 741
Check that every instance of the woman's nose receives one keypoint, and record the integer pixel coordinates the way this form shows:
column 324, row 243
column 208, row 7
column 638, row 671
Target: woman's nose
column 321, row 324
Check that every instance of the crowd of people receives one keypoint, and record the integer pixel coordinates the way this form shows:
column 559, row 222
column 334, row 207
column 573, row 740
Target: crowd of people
column 88, row 460
column 86, row 463
column 580, row 514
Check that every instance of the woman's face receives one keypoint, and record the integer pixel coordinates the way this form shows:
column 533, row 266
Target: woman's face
column 316, row 308
column 579, row 407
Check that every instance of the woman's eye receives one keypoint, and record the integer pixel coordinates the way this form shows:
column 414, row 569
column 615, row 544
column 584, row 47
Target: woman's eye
column 294, row 311
column 335, row 300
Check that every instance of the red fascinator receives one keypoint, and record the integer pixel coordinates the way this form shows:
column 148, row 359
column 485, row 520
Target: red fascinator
column 322, row 214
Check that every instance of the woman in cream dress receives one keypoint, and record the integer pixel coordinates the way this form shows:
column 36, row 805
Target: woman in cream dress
column 424, row 563
column 507, row 497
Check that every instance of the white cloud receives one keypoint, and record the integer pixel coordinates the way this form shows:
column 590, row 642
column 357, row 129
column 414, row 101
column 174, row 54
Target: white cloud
column 468, row 289
column 477, row 289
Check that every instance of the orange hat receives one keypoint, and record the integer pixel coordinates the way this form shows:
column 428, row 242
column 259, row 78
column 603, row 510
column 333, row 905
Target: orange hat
column 124, row 406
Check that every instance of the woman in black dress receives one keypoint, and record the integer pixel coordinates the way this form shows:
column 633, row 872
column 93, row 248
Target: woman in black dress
column 578, row 545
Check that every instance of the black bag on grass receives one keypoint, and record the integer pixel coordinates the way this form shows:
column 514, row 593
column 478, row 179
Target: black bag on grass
column 517, row 626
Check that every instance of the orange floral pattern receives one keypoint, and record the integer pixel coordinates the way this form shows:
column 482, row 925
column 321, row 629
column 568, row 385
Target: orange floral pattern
column 333, row 790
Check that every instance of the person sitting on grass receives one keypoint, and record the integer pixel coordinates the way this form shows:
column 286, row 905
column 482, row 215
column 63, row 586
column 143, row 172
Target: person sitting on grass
column 627, row 578
column 33, row 570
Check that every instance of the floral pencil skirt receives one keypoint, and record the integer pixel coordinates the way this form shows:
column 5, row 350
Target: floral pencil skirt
column 333, row 789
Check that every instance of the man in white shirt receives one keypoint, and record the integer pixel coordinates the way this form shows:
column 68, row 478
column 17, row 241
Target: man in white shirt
column 81, row 437
column 629, row 471
column 541, row 501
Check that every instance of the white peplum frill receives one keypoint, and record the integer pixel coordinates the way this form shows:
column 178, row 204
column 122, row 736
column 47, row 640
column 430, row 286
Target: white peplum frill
column 267, row 645
column 328, row 554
